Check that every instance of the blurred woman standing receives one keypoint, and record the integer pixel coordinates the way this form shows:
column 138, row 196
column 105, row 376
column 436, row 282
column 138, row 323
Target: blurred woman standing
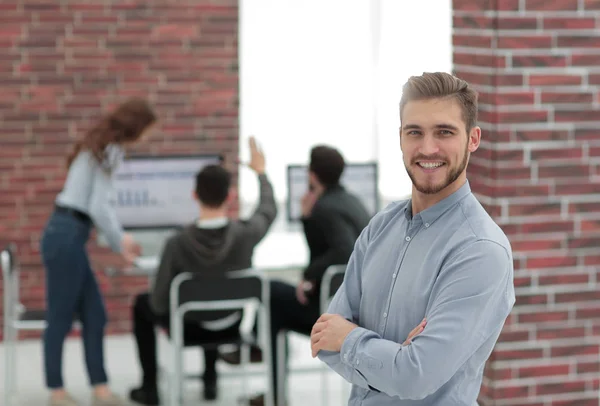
column 71, row 287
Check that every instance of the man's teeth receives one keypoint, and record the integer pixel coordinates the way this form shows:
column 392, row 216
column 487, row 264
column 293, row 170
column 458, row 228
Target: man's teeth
column 431, row 165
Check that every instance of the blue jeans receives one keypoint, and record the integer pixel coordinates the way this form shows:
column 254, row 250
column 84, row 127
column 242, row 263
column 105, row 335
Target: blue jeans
column 71, row 292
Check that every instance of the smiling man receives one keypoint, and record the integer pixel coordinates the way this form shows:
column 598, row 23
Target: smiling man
column 437, row 256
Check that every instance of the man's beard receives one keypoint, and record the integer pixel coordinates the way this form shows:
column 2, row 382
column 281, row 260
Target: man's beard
column 431, row 189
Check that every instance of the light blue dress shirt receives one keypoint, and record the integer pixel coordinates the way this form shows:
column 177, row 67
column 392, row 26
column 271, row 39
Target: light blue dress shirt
column 450, row 263
column 88, row 188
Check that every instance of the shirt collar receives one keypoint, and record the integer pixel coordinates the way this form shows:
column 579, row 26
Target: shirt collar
column 217, row 222
column 432, row 213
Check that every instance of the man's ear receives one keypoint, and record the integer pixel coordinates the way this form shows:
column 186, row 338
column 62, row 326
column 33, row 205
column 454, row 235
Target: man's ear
column 195, row 196
column 474, row 139
column 231, row 196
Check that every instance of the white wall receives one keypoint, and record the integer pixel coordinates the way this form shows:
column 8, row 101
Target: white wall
column 314, row 71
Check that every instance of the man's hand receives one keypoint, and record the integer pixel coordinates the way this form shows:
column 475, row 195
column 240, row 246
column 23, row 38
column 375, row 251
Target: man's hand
column 257, row 158
column 329, row 333
column 301, row 294
column 307, row 203
column 415, row 331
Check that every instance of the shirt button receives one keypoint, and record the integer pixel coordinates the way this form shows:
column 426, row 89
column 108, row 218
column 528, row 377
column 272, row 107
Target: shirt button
column 407, row 238
column 384, row 314
column 394, row 275
column 357, row 362
column 426, row 224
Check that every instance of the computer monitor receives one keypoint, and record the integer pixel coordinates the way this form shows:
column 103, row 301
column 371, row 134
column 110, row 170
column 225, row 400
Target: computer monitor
column 360, row 179
column 155, row 192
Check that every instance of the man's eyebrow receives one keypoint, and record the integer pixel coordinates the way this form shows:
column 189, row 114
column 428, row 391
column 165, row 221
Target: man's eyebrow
column 446, row 127
column 438, row 126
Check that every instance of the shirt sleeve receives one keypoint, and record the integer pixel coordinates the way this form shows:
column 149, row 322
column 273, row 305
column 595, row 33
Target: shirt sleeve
column 346, row 303
column 471, row 299
column 100, row 210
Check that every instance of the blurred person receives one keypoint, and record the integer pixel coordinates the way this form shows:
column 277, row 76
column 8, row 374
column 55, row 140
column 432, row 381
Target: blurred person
column 71, row 287
column 437, row 256
column 332, row 219
column 212, row 244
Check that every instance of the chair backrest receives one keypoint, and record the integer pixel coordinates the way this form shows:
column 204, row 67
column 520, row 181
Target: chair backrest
column 331, row 282
column 215, row 297
column 8, row 261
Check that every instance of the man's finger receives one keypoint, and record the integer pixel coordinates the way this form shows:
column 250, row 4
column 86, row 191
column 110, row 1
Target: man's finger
column 315, row 338
column 318, row 327
column 316, row 347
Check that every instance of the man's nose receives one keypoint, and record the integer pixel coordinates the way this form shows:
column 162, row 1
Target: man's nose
column 429, row 146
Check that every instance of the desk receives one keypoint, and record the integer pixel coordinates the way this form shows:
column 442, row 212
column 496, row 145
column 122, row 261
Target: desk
column 279, row 251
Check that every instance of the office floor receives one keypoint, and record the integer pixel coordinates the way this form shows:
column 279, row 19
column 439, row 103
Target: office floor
column 304, row 387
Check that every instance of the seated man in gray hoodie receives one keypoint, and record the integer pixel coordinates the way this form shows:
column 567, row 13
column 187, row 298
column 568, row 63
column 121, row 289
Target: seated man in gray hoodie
column 213, row 244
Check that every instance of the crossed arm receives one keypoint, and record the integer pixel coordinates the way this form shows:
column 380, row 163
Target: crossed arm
column 472, row 297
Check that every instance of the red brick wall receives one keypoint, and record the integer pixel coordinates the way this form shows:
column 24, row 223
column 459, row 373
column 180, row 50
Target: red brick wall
column 537, row 172
column 63, row 62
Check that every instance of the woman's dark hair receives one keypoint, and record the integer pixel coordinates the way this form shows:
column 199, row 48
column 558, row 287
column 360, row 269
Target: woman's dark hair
column 125, row 124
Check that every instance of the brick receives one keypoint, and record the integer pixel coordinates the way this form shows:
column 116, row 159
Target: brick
column 556, row 153
column 583, row 400
column 574, row 350
column 564, row 279
column 583, row 242
column 524, row 281
column 522, row 191
column 544, row 370
column 577, row 297
column 556, row 5
column 591, row 5
column 588, row 367
column 585, row 59
column 547, row 227
column 539, row 61
column 551, row 262
column 563, row 387
column 479, row 41
column 516, row 23
column 524, row 300
column 579, row 115
column 577, row 189
column 476, row 59
column 519, row 117
column 587, row 313
column 564, row 171
column 591, row 260
column 490, row 80
column 554, row 80
column 589, row 225
column 525, row 42
column 583, row 41
column 511, row 98
column 567, row 97
column 504, row 355
column 587, row 135
column 543, row 317
column 472, row 21
column 546, row 209
column 571, row 23
column 541, row 135
column 508, row 336
column 560, row 333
